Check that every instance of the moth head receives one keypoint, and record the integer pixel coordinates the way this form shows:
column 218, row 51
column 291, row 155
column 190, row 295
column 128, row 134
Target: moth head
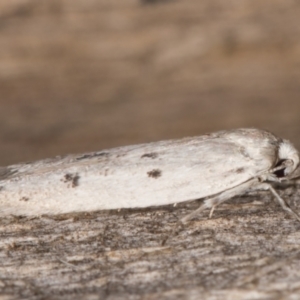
column 288, row 158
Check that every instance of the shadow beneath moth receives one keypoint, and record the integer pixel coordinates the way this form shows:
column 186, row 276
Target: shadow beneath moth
column 216, row 166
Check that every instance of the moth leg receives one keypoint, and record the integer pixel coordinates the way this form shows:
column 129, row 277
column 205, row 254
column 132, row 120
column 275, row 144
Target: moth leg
column 220, row 198
column 212, row 211
column 280, row 200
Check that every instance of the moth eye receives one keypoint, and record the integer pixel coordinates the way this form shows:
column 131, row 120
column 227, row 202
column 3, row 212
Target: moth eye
column 280, row 172
column 284, row 167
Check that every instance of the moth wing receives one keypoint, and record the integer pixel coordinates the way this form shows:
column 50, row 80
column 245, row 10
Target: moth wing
column 134, row 176
column 185, row 170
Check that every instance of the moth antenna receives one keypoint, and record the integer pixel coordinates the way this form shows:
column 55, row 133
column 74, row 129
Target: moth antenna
column 280, row 200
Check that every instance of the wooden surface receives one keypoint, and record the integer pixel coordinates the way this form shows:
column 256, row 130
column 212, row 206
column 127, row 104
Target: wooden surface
column 248, row 250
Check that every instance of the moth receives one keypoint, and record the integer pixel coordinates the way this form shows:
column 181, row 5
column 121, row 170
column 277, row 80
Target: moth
column 216, row 167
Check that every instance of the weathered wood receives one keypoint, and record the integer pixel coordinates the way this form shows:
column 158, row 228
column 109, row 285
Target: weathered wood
column 249, row 249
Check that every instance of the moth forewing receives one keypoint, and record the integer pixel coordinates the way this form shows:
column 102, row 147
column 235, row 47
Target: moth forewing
column 220, row 165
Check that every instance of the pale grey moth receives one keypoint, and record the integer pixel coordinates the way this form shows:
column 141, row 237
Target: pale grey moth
column 214, row 166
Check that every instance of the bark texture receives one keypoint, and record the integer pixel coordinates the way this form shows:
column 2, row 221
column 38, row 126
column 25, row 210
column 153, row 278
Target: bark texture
column 248, row 250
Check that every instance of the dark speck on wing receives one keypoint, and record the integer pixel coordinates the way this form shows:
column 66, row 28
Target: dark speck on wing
column 150, row 155
column 73, row 178
column 24, row 199
column 92, row 155
column 240, row 170
column 155, row 173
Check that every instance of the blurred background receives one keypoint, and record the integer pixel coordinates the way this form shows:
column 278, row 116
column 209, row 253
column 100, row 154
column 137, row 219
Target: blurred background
column 85, row 75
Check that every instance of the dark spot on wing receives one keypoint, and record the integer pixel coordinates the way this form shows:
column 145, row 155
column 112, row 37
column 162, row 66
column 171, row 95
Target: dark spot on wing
column 155, row 173
column 72, row 178
column 106, row 172
column 150, row 155
column 92, row 155
column 1, row 188
column 240, row 170
column 24, row 199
